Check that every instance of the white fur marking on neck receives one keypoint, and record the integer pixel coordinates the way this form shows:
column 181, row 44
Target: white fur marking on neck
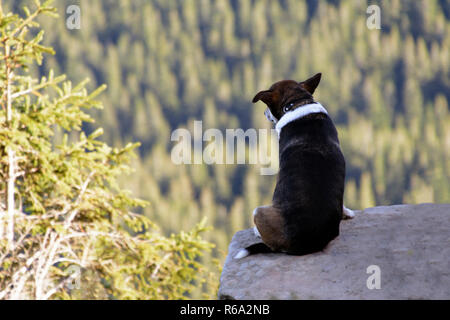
column 298, row 113
column 270, row 116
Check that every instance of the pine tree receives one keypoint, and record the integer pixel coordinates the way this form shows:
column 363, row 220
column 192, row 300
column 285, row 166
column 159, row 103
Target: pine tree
column 66, row 229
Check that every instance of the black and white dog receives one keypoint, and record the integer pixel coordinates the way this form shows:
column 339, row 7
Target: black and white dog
column 307, row 205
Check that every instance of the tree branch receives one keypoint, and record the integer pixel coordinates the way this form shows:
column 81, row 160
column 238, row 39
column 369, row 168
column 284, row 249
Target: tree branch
column 78, row 200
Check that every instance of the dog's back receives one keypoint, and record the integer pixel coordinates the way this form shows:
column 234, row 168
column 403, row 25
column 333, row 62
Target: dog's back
column 310, row 185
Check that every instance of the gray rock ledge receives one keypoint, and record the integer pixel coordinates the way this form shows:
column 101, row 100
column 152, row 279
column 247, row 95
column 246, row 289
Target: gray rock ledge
column 409, row 243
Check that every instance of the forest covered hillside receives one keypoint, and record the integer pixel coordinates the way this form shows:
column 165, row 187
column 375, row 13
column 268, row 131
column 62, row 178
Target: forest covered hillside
column 167, row 63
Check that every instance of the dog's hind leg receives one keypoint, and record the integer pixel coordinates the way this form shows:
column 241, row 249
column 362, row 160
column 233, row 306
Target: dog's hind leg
column 270, row 228
column 270, row 224
column 255, row 229
column 256, row 232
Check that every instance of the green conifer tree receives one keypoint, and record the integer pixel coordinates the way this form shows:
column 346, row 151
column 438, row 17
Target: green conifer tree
column 66, row 229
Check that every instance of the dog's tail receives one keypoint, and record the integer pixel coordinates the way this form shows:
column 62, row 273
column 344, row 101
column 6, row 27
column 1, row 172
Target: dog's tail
column 259, row 247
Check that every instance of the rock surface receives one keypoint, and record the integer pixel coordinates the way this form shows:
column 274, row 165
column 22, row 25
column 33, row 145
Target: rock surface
column 409, row 243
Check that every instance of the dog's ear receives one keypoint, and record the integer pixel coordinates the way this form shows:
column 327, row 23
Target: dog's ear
column 265, row 96
column 311, row 84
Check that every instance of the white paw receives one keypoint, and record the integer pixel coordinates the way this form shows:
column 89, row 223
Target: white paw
column 348, row 214
column 255, row 230
column 241, row 254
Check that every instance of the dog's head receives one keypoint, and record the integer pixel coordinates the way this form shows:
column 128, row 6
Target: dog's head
column 287, row 95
